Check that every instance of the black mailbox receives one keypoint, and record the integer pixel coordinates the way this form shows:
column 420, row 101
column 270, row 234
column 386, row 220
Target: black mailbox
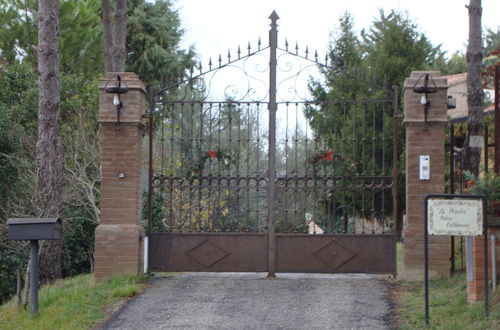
column 34, row 228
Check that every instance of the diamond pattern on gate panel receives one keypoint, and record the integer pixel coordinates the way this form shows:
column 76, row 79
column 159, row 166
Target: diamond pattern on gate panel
column 207, row 253
column 334, row 254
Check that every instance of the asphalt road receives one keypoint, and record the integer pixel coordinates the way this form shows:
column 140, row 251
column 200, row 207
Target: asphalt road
column 250, row 301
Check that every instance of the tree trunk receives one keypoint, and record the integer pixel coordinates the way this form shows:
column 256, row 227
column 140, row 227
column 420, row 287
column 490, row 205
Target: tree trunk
column 49, row 153
column 120, row 36
column 475, row 97
column 107, row 25
column 115, row 35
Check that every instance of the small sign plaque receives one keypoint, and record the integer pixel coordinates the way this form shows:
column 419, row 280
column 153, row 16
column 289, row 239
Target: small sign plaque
column 476, row 141
column 458, row 217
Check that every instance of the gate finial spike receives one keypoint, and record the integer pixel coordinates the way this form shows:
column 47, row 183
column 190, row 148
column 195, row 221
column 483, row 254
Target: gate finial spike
column 239, row 52
column 296, row 48
column 286, row 44
column 249, row 48
column 228, row 56
column 210, row 63
column 307, row 51
column 274, row 16
column 316, row 55
column 258, row 44
column 220, row 60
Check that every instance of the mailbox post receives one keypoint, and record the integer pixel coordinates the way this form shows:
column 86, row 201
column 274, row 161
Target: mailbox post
column 34, row 229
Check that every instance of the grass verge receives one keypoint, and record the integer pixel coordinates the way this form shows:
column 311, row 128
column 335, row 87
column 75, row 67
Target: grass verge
column 74, row 303
column 448, row 307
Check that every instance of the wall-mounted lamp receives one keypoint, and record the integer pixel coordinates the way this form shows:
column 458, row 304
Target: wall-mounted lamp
column 424, row 88
column 117, row 90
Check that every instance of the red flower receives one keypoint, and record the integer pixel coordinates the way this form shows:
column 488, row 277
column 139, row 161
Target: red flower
column 329, row 155
column 212, row 154
column 470, row 184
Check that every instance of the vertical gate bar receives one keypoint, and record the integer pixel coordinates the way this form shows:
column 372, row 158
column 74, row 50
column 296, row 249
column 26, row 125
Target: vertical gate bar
column 486, row 161
column 182, row 155
column 171, row 155
column 198, row 152
column 452, row 190
column 363, row 170
column 228, row 166
column 150, row 163
column 209, row 177
column 335, row 223
column 497, row 119
column 452, row 158
column 247, row 146
column 372, row 179
column 285, row 190
column 395, row 163
column 218, row 182
column 353, row 177
column 296, row 166
column 383, row 191
column 258, row 174
column 238, row 157
column 305, row 172
column 271, row 171
column 192, row 142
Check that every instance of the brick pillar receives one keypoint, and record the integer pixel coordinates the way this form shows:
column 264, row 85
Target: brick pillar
column 424, row 139
column 119, row 235
column 475, row 270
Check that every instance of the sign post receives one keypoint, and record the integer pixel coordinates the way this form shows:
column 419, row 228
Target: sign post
column 455, row 215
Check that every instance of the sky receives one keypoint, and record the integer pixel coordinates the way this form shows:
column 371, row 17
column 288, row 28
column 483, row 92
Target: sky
column 215, row 26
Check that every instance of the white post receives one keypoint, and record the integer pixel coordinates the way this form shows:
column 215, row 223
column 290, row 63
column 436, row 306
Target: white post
column 146, row 252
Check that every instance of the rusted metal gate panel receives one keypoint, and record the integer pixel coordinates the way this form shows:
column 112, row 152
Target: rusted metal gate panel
column 208, row 252
column 247, row 252
column 260, row 177
column 349, row 253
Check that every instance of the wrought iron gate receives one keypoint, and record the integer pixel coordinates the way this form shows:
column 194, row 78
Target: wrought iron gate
column 262, row 178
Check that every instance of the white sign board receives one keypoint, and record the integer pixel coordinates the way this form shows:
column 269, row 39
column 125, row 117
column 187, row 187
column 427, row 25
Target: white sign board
column 458, row 217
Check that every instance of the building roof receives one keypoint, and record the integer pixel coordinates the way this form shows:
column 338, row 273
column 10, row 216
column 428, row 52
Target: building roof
column 455, row 79
column 457, row 87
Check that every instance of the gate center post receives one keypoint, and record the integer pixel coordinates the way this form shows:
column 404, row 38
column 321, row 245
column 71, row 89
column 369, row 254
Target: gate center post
column 271, row 170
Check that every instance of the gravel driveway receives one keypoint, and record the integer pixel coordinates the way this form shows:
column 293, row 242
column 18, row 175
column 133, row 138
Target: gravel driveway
column 250, row 301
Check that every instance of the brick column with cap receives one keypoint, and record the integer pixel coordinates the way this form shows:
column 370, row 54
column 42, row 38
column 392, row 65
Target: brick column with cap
column 424, row 139
column 119, row 235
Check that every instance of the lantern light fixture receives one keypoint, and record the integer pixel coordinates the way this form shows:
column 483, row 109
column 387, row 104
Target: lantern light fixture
column 117, row 89
column 425, row 87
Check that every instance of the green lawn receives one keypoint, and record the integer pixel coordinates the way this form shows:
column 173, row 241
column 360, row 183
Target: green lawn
column 74, row 303
column 448, row 305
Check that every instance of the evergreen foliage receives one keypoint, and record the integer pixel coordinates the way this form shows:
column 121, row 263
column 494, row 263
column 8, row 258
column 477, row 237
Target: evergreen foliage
column 81, row 66
column 351, row 117
column 154, row 33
